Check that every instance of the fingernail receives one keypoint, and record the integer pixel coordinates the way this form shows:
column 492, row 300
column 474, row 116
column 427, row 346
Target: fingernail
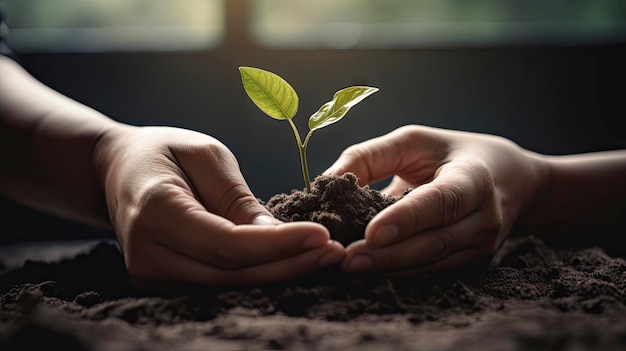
column 385, row 235
column 331, row 258
column 314, row 241
column 265, row 219
column 360, row 263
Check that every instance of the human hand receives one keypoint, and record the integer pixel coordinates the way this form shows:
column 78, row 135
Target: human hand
column 183, row 213
column 468, row 190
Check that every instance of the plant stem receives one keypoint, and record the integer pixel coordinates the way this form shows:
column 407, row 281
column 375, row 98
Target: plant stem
column 305, row 168
column 302, row 150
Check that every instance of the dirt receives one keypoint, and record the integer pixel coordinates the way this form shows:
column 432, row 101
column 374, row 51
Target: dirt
column 338, row 203
column 534, row 296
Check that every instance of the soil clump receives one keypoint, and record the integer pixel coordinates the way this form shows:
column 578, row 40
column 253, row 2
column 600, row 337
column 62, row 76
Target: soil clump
column 337, row 202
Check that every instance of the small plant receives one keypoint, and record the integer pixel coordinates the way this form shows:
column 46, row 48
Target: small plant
column 274, row 96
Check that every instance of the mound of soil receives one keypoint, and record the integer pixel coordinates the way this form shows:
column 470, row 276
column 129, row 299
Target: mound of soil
column 533, row 297
column 337, row 202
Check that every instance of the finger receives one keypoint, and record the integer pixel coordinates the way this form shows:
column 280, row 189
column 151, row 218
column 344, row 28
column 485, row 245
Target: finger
column 174, row 218
column 170, row 267
column 407, row 152
column 458, row 189
column 423, row 249
column 217, row 181
column 265, row 219
column 366, row 160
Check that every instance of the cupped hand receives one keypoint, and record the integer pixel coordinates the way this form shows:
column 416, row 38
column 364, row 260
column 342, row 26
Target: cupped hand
column 183, row 213
column 468, row 190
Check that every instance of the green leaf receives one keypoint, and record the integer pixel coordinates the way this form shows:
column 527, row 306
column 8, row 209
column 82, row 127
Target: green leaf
column 272, row 94
column 334, row 110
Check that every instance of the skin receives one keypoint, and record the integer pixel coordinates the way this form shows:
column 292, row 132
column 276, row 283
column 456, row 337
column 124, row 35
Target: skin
column 176, row 199
column 471, row 191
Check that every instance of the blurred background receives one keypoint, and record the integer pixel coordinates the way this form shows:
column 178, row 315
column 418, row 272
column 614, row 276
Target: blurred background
column 550, row 75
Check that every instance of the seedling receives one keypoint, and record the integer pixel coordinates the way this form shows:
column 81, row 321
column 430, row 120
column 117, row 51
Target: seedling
column 274, row 96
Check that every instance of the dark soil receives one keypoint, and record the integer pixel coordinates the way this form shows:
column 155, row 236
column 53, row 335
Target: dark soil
column 533, row 297
column 338, row 203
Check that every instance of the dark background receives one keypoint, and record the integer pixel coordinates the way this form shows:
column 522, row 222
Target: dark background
column 549, row 99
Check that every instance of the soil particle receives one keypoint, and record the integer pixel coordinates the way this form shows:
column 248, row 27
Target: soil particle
column 337, row 202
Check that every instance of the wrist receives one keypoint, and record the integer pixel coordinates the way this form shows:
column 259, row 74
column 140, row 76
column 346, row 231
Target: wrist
column 540, row 180
column 108, row 144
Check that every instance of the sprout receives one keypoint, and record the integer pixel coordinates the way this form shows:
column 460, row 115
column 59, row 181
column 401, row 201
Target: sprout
column 274, row 96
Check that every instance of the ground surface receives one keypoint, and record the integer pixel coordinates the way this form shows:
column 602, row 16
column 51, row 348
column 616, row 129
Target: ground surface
column 533, row 297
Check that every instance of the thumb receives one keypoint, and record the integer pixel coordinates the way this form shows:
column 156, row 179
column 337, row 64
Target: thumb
column 458, row 190
column 370, row 161
column 214, row 175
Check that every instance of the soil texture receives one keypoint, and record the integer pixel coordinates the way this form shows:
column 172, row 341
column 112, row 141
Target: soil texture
column 337, row 202
column 533, row 296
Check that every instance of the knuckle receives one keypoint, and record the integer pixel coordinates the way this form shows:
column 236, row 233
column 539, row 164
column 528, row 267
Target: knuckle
column 219, row 152
column 449, row 202
column 443, row 244
column 207, row 148
column 153, row 192
column 196, row 144
column 410, row 132
column 482, row 177
column 132, row 213
column 239, row 205
column 225, row 259
column 358, row 158
column 447, row 199
column 352, row 151
column 150, row 200
column 356, row 152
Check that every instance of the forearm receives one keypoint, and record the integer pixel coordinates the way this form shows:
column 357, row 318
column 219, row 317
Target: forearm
column 584, row 194
column 46, row 144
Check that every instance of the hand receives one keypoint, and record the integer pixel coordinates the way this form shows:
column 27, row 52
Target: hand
column 184, row 214
column 468, row 190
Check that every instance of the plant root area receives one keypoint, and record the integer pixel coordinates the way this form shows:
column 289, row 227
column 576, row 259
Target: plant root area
column 533, row 296
column 337, row 202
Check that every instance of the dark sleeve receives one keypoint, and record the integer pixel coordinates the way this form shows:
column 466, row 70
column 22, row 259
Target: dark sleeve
column 4, row 32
